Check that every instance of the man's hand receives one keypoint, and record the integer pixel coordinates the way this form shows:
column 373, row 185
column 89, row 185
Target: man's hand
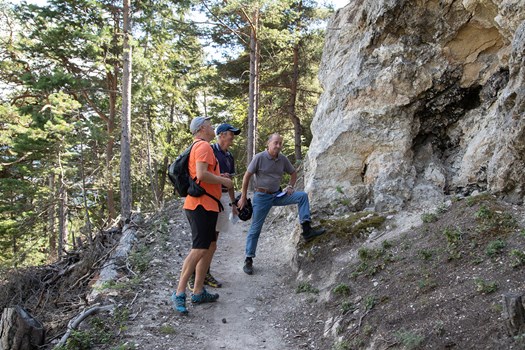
column 289, row 189
column 241, row 203
column 226, row 182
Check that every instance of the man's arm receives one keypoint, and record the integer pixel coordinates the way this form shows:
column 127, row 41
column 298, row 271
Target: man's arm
column 204, row 175
column 291, row 185
column 245, row 182
column 231, row 192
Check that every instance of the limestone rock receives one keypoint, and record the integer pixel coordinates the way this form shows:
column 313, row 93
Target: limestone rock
column 421, row 99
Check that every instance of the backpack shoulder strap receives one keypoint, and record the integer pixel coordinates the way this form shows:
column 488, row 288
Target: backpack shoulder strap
column 221, row 207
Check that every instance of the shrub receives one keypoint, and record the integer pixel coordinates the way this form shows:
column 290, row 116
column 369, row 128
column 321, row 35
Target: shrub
column 485, row 287
column 305, row 287
column 409, row 339
column 342, row 289
column 429, row 217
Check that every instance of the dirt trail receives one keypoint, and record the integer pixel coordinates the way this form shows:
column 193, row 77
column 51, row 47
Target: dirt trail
column 251, row 310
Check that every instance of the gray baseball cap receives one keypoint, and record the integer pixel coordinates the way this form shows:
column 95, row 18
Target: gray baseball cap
column 196, row 123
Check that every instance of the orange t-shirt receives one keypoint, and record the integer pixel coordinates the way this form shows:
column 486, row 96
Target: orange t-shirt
column 202, row 152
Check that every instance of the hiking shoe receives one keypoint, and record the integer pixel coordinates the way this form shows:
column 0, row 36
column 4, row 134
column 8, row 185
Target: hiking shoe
column 179, row 302
column 248, row 266
column 204, row 297
column 191, row 283
column 312, row 233
column 209, row 280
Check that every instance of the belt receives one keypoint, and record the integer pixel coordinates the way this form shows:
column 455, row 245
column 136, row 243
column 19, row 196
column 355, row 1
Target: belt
column 263, row 190
column 224, row 190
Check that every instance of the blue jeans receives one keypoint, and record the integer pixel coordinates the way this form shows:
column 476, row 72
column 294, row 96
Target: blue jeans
column 262, row 203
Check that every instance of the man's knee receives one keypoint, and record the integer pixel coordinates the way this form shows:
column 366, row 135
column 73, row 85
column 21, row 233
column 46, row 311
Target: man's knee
column 198, row 253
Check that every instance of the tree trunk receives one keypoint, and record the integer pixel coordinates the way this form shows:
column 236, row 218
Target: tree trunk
column 20, row 331
column 291, row 108
column 112, row 85
column 62, row 209
column 88, row 226
column 513, row 313
column 254, row 77
column 14, row 242
column 62, row 217
column 51, row 229
column 125, row 141
column 165, row 162
column 112, row 82
column 151, row 167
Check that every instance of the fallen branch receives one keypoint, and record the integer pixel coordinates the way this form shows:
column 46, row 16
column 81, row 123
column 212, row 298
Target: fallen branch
column 361, row 318
column 74, row 323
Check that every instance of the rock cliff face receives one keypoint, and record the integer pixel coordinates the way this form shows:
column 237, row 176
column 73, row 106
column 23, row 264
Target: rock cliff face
column 421, row 99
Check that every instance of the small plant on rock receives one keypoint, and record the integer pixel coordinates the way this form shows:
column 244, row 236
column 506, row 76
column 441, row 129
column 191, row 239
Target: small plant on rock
column 347, row 306
column 485, row 287
column 342, row 289
column 409, row 339
column 341, row 345
column 370, row 302
column 518, row 257
column 425, row 254
column 305, row 287
column 453, row 237
column 429, row 217
column 495, row 247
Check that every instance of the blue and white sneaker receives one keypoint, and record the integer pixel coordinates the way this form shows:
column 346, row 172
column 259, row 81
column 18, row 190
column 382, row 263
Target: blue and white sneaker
column 204, row 297
column 179, row 302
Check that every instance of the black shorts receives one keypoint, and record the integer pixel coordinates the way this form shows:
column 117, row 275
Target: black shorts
column 202, row 223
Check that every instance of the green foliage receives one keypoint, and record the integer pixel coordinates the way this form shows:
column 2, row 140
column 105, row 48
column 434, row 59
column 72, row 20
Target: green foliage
column 409, row 339
column 341, row 345
column 306, row 287
column 167, row 329
column 125, row 346
column 495, row 247
column 426, row 283
column 342, row 289
column 101, row 332
column 370, row 302
column 347, row 306
column 453, row 237
column 373, row 260
column 494, row 222
column 485, row 287
column 59, row 115
column 520, row 339
column 425, row 254
column 140, row 259
column 120, row 285
column 354, row 225
column 473, row 200
column 429, row 217
column 483, row 213
column 518, row 258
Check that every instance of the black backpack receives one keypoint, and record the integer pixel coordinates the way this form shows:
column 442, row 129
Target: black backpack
column 179, row 174
column 184, row 185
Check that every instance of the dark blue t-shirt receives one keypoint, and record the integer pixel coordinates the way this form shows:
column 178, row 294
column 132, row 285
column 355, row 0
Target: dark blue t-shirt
column 226, row 162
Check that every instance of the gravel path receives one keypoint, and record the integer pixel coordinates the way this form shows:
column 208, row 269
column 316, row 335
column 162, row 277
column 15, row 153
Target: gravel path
column 251, row 311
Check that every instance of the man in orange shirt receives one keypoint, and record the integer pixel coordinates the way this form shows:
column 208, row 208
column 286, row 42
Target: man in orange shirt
column 202, row 215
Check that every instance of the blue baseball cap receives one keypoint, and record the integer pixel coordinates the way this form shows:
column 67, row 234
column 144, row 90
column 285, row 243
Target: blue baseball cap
column 227, row 127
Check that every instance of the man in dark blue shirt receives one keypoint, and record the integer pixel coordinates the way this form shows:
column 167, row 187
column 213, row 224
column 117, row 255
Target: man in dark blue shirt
column 225, row 134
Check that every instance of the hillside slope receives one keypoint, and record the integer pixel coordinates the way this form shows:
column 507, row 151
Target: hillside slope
column 399, row 280
column 429, row 280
